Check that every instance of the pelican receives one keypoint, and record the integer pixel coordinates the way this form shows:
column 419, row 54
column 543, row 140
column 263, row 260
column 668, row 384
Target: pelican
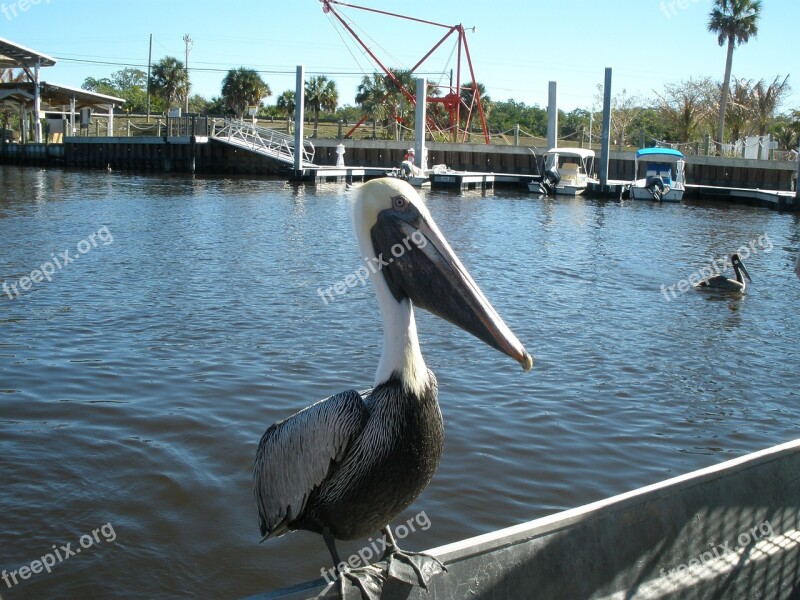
column 346, row 465
column 722, row 283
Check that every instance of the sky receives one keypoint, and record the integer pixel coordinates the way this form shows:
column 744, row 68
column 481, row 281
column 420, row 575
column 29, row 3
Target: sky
column 517, row 46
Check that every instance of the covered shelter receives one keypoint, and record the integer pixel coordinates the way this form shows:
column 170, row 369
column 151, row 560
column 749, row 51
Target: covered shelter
column 38, row 96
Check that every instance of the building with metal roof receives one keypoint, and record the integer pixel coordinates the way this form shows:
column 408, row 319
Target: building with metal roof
column 36, row 96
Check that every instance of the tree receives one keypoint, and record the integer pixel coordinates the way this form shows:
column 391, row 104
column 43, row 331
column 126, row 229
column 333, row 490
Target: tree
column 169, row 80
column 573, row 122
column 371, row 95
column 320, row 94
column 468, row 101
column 532, row 119
column 9, row 76
column 766, row 99
column 740, row 108
column 734, row 22
column 684, row 105
column 625, row 110
column 129, row 84
column 286, row 105
column 243, row 87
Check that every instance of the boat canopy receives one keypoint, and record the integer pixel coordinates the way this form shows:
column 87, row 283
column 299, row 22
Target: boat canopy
column 582, row 153
column 660, row 154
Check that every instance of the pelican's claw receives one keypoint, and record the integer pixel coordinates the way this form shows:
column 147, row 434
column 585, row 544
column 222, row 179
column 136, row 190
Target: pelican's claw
column 415, row 568
column 364, row 583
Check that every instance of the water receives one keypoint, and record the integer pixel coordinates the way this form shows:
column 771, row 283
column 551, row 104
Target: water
column 135, row 385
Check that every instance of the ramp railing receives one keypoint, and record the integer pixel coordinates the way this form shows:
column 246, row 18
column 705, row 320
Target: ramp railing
column 261, row 140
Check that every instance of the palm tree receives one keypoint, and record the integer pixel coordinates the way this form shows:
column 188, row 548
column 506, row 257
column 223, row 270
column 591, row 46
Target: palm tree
column 734, row 22
column 740, row 108
column 285, row 103
column 243, row 87
column 321, row 94
column 766, row 99
column 468, row 101
column 169, row 80
column 684, row 105
column 9, row 76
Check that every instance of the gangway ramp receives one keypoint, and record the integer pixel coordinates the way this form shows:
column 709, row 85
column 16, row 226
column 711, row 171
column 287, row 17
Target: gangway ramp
column 262, row 140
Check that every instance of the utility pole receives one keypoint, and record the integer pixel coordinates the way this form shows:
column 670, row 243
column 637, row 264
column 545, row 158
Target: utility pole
column 149, row 62
column 188, row 41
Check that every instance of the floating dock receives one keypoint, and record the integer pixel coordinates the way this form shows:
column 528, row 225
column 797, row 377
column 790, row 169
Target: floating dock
column 321, row 174
column 470, row 180
column 775, row 199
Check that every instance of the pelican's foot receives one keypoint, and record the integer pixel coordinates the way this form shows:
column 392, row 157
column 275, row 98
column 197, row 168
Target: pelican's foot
column 363, row 583
column 415, row 568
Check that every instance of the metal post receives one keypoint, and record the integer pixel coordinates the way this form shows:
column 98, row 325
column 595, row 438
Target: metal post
column 299, row 116
column 708, row 144
column 72, row 115
column 606, row 136
column 419, row 125
column 110, row 132
column 552, row 115
column 37, row 106
column 149, row 62
column 516, row 134
column 188, row 41
column 797, row 181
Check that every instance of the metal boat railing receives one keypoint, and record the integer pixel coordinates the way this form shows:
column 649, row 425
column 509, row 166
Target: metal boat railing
column 261, row 140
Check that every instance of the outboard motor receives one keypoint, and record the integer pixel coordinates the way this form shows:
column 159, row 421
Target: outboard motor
column 655, row 185
column 550, row 180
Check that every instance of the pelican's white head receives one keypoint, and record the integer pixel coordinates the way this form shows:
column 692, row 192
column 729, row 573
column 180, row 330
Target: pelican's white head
column 411, row 262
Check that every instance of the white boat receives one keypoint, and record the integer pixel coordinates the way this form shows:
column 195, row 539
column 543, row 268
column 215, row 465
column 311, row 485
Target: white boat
column 664, row 178
column 568, row 172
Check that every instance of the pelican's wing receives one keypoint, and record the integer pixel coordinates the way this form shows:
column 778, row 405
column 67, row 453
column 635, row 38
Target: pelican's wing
column 295, row 456
column 711, row 281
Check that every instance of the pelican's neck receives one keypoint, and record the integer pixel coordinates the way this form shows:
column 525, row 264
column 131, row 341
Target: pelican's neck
column 401, row 354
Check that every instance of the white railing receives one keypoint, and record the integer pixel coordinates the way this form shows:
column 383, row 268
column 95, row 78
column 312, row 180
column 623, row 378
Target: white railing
column 261, row 140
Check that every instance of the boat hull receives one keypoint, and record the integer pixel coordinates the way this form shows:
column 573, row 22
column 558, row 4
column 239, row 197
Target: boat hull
column 730, row 530
column 640, row 193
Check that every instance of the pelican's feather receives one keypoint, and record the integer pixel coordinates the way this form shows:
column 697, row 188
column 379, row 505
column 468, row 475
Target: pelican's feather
column 297, row 454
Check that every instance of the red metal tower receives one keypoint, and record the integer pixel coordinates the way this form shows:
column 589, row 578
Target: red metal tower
column 453, row 101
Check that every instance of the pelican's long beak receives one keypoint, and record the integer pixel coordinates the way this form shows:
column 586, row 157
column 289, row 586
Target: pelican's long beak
column 744, row 270
column 419, row 264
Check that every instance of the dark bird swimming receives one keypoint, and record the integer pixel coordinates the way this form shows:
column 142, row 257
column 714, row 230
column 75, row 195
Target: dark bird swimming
column 345, row 466
column 722, row 283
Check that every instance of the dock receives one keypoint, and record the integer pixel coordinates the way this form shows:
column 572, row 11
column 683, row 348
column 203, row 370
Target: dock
column 470, row 180
column 612, row 189
column 774, row 199
column 325, row 174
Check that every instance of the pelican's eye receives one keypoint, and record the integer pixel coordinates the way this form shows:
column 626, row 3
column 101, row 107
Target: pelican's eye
column 399, row 202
